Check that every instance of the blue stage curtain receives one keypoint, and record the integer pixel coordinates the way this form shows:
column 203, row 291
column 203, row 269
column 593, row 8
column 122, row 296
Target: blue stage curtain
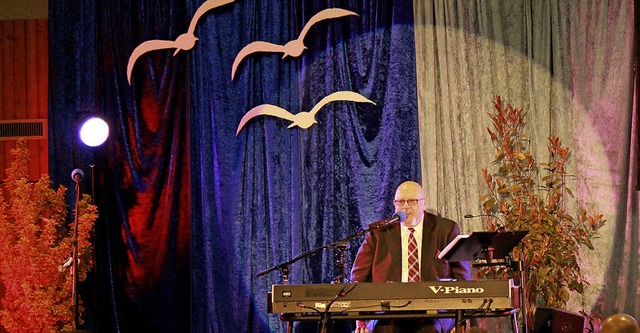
column 190, row 212
column 271, row 193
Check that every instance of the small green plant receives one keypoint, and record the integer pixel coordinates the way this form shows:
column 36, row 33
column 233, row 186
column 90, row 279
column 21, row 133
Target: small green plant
column 533, row 196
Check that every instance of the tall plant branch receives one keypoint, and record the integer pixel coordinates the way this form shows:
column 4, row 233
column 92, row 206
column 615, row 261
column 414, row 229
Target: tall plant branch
column 530, row 201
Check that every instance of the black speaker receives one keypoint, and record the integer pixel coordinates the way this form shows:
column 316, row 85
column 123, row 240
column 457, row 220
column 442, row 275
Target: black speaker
column 551, row 320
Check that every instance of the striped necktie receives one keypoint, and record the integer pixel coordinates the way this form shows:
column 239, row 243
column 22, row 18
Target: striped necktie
column 414, row 266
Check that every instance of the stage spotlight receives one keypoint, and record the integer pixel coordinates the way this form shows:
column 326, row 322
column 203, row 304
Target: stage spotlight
column 94, row 131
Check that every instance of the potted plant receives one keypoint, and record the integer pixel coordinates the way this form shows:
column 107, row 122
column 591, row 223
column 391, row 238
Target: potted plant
column 35, row 240
column 524, row 194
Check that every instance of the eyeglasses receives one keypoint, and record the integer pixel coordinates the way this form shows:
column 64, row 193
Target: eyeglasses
column 411, row 202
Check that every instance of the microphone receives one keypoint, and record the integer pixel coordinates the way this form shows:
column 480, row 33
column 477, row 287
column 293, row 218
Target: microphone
column 77, row 175
column 501, row 225
column 399, row 216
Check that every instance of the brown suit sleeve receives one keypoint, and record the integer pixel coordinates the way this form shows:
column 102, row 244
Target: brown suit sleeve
column 379, row 257
column 362, row 265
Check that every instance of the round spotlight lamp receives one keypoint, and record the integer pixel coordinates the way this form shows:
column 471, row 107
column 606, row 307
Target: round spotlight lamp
column 94, row 132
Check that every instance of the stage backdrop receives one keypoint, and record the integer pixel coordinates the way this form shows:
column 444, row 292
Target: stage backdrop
column 570, row 65
column 193, row 206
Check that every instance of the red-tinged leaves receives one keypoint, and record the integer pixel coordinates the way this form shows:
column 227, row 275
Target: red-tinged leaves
column 34, row 242
column 552, row 247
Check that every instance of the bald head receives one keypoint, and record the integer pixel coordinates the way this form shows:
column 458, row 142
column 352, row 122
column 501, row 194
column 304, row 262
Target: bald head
column 410, row 198
column 410, row 187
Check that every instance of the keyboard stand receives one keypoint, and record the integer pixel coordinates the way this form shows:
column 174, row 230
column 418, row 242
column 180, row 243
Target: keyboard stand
column 458, row 315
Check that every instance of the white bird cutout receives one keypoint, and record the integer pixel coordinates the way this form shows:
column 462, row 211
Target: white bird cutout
column 293, row 48
column 184, row 42
column 301, row 119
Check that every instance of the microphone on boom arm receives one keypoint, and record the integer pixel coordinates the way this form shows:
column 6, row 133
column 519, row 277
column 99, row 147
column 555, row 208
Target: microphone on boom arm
column 501, row 224
column 399, row 217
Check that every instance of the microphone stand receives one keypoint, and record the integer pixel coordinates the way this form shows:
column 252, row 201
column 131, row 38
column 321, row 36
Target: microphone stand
column 74, row 255
column 341, row 262
column 340, row 245
column 499, row 228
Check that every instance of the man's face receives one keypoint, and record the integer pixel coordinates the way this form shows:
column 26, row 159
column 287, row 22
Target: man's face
column 410, row 199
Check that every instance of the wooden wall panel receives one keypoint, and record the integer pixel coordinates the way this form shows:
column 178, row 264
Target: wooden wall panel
column 24, row 54
column 42, row 86
column 24, row 86
column 6, row 105
column 31, row 84
column 19, row 71
column 6, row 53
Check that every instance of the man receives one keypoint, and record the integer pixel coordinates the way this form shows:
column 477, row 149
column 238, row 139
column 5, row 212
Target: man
column 389, row 255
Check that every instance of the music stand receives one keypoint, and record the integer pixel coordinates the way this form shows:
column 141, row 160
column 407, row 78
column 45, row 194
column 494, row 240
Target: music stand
column 490, row 245
column 486, row 245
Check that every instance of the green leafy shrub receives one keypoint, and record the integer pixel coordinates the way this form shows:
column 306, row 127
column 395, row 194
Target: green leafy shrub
column 525, row 194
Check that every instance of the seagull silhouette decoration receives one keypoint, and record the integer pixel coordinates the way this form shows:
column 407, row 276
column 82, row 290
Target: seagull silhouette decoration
column 301, row 119
column 293, row 48
column 185, row 42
